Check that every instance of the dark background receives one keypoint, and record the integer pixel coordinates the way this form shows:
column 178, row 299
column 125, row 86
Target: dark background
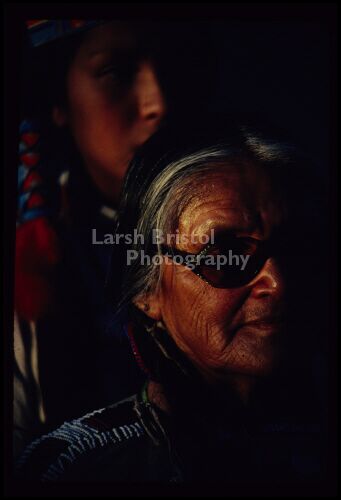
column 280, row 68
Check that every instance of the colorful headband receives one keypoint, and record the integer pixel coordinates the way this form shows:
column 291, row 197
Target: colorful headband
column 42, row 31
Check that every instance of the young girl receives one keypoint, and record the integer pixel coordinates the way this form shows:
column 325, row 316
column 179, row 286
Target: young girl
column 93, row 93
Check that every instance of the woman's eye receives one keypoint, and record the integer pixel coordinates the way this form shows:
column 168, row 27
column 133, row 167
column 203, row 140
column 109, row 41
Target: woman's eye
column 247, row 245
column 236, row 246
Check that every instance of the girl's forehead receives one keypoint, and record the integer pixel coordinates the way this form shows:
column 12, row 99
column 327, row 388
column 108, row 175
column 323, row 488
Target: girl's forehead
column 111, row 35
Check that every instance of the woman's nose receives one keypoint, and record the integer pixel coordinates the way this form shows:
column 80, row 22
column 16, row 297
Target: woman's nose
column 269, row 281
column 150, row 99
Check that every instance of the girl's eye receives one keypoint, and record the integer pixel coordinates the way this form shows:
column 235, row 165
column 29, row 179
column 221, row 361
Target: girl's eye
column 115, row 80
column 108, row 70
column 122, row 71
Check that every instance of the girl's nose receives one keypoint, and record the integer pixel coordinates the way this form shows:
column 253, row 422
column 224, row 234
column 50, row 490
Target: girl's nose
column 150, row 99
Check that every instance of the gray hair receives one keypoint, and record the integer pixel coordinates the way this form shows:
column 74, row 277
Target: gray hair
column 162, row 201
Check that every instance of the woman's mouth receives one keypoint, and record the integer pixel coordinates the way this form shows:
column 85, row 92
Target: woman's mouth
column 262, row 327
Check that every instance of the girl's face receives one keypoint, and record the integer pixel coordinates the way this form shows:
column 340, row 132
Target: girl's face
column 115, row 103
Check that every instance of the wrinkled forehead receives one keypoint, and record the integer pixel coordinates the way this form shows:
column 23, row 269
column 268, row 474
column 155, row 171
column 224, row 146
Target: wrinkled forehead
column 233, row 197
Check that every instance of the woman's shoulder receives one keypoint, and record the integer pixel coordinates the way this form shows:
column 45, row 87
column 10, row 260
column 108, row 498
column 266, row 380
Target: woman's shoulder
column 83, row 444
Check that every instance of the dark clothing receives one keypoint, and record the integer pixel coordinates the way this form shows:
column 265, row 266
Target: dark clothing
column 85, row 358
column 123, row 442
column 134, row 441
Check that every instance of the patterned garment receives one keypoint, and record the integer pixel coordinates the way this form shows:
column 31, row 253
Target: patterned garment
column 31, row 202
column 123, row 442
column 133, row 441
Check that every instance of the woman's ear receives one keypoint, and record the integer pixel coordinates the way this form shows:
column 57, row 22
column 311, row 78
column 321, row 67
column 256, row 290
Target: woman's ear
column 150, row 305
column 59, row 116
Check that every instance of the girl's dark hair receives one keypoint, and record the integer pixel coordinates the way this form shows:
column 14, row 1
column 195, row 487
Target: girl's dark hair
column 44, row 76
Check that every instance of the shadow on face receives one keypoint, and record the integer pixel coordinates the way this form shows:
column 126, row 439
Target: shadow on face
column 227, row 332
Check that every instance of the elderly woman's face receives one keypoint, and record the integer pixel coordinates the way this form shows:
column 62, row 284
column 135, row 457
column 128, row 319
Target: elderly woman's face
column 232, row 330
